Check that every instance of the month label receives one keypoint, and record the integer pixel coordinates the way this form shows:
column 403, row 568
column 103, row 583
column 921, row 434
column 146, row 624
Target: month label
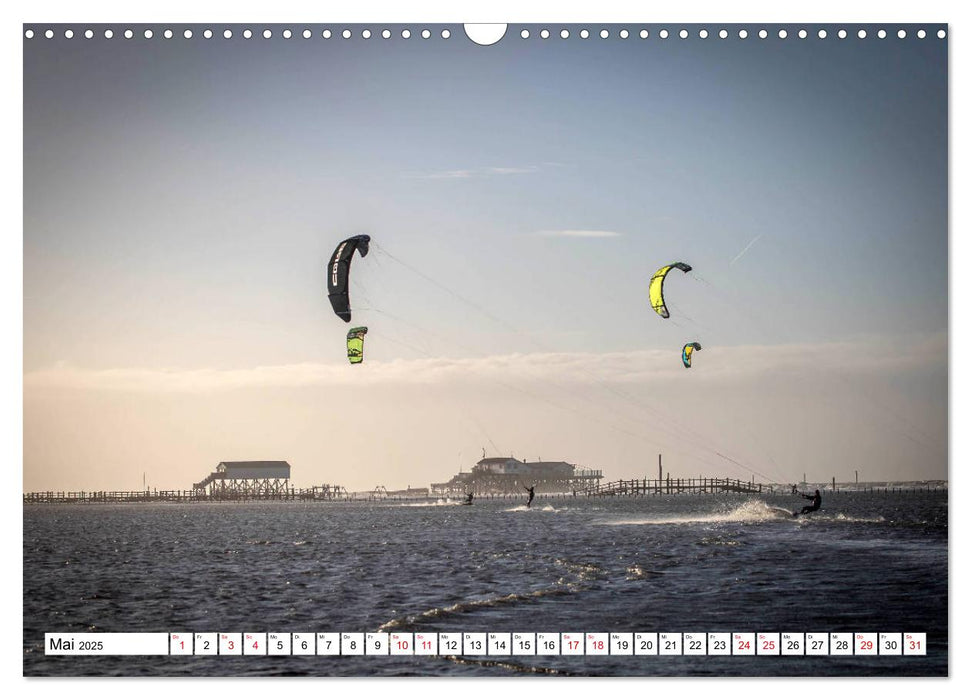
column 106, row 643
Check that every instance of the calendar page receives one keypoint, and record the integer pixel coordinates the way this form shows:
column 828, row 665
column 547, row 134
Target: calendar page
column 539, row 349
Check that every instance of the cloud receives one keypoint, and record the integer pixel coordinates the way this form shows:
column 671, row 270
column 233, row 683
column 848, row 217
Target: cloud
column 512, row 171
column 446, row 174
column 520, row 371
column 579, row 233
column 463, row 174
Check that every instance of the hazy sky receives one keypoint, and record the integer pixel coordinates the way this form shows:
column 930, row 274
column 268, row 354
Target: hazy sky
column 181, row 198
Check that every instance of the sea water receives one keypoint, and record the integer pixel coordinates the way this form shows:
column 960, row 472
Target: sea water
column 866, row 562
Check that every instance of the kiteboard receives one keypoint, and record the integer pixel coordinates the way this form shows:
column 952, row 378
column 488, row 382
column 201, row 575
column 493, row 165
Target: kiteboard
column 783, row 511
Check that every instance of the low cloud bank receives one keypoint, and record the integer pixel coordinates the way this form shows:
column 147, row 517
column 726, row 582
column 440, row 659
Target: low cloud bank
column 712, row 365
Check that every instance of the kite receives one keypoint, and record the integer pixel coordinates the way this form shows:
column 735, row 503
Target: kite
column 687, row 351
column 355, row 345
column 657, row 287
column 338, row 273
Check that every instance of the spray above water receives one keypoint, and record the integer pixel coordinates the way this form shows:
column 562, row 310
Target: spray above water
column 752, row 511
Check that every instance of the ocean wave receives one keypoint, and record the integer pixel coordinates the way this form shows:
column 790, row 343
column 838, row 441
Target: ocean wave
column 636, row 572
column 583, row 571
column 718, row 542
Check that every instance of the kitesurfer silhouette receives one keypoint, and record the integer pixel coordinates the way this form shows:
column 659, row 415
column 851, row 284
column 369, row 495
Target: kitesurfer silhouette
column 531, row 495
column 816, row 499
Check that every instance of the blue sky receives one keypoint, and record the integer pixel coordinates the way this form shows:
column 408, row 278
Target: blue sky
column 181, row 198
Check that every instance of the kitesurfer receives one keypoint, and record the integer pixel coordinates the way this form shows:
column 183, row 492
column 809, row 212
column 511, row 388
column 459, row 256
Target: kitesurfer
column 468, row 499
column 529, row 501
column 816, row 499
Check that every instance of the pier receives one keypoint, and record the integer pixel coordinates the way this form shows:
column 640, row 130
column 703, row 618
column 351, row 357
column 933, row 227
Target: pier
column 325, row 492
column 338, row 494
column 646, row 487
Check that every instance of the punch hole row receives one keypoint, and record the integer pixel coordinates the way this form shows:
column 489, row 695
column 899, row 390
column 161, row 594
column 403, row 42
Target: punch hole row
column 245, row 34
column 725, row 34
column 445, row 34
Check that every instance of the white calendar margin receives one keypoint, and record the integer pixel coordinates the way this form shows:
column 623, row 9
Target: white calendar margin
column 569, row 11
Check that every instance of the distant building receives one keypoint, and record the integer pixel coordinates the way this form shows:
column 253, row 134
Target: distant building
column 246, row 479
column 410, row 492
column 511, row 465
column 506, row 475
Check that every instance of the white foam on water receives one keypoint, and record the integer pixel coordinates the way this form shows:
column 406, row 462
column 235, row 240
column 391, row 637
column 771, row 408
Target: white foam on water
column 753, row 511
column 840, row 517
column 525, row 509
column 437, row 504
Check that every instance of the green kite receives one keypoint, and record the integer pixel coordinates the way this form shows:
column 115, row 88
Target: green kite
column 355, row 344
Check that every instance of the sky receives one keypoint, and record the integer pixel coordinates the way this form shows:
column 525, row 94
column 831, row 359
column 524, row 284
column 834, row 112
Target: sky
column 182, row 197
